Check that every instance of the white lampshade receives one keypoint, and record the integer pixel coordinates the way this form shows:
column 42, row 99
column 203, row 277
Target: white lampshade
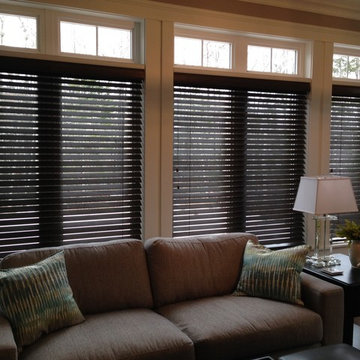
column 321, row 195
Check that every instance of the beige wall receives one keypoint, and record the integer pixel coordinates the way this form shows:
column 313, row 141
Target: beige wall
column 303, row 14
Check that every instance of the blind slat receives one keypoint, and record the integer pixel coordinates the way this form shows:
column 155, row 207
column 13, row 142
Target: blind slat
column 345, row 140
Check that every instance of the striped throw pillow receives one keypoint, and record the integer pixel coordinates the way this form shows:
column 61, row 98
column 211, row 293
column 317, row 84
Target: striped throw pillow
column 272, row 274
column 37, row 299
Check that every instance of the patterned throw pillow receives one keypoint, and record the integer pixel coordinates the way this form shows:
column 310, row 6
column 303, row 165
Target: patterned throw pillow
column 37, row 299
column 272, row 274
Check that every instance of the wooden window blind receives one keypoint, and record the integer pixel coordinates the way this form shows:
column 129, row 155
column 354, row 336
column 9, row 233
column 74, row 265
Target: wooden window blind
column 345, row 138
column 71, row 153
column 239, row 152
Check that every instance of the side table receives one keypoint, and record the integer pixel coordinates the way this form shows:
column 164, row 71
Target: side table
column 330, row 352
column 350, row 282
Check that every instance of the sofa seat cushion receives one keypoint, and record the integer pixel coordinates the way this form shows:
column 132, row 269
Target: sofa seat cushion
column 227, row 326
column 126, row 334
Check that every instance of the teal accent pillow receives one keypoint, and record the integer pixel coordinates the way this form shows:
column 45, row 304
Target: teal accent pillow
column 37, row 299
column 272, row 274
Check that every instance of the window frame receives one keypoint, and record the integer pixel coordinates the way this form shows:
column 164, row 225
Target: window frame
column 348, row 51
column 273, row 44
column 207, row 35
column 240, row 43
column 102, row 22
column 39, row 15
column 202, row 53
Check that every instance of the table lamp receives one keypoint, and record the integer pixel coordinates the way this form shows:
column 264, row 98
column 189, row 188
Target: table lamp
column 323, row 196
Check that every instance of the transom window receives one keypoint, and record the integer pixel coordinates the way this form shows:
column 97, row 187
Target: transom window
column 61, row 32
column 271, row 59
column 18, row 31
column 346, row 66
column 88, row 39
column 241, row 53
column 202, row 52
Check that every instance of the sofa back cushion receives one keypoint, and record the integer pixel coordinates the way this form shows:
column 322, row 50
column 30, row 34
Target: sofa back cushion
column 103, row 276
column 196, row 266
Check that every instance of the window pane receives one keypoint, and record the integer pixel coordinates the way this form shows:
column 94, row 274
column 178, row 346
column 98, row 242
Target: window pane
column 275, row 60
column 78, row 38
column 216, row 54
column 354, row 67
column 259, row 58
column 18, row 31
column 187, row 51
column 340, row 65
column 284, row 61
column 114, row 42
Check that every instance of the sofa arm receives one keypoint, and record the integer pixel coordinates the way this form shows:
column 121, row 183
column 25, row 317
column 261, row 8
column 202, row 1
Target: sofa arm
column 8, row 349
column 327, row 300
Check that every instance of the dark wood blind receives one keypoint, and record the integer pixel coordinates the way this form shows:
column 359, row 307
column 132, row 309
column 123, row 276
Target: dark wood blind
column 71, row 154
column 239, row 152
column 345, row 139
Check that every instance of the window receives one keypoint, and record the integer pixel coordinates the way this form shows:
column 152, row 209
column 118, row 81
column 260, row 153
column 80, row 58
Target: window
column 273, row 60
column 87, row 39
column 71, row 155
column 18, row 31
column 68, row 33
column 241, row 52
column 239, row 152
column 346, row 66
column 345, row 138
column 201, row 52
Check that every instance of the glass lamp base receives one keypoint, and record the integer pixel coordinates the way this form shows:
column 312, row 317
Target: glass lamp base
column 322, row 226
column 331, row 261
column 322, row 262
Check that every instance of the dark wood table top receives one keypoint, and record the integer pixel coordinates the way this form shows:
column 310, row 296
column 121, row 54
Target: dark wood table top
column 350, row 276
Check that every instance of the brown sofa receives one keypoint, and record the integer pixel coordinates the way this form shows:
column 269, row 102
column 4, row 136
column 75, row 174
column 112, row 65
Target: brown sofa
column 172, row 299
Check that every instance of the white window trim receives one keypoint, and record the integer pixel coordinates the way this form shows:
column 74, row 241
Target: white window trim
column 234, row 74
column 345, row 82
column 346, row 50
